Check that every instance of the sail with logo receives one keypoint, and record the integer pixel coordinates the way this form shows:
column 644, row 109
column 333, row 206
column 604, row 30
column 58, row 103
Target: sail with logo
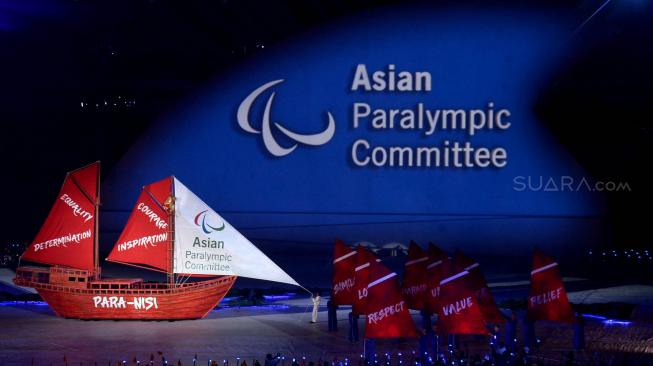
column 169, row 230
column 206, row 244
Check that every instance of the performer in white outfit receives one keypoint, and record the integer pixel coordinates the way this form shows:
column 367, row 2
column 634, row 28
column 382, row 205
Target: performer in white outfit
column 316, row 305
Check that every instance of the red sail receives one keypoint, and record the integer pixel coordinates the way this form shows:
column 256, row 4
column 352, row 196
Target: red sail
column 489, row 308
column 145, row 240
column 387, row 311
column 362, row 277
column 414, row 282
column 344, row 260
column 547, row 299
column 67, row 237
column 433, row 277
column 459, row 311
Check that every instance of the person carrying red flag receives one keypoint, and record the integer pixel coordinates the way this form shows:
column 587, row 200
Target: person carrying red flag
column 547, row 299
column 433, row 277
column 387, row 311
column 414, row 282
column 459, row 311
column 362, row 276
column 489, row 308
column 344, row 259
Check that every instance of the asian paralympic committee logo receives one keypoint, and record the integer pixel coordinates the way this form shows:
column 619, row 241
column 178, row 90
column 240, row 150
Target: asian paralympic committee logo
column 268, row 139
column 206, row 227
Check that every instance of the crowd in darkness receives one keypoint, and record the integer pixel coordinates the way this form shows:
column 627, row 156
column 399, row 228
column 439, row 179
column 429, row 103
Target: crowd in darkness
column 448, row 358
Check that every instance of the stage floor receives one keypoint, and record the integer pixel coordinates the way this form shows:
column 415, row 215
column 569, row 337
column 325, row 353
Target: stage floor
column 33, row 332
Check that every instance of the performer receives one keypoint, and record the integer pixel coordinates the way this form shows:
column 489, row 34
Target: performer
column 332, row 312
column 316, row 306
column 511, row 332
column 579, row 332
column 353, row 327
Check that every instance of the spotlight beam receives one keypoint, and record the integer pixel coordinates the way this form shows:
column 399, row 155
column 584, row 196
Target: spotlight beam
column 590, row 17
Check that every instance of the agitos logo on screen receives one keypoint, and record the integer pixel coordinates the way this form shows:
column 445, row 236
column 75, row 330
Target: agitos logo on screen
column 440, row 127
column 268, row 139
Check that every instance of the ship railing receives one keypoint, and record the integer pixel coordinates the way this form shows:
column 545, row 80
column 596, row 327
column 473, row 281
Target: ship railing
column 138, row 291
column 70, row 271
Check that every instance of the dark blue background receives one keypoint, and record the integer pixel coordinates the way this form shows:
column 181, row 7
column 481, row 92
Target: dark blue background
column 295, row 206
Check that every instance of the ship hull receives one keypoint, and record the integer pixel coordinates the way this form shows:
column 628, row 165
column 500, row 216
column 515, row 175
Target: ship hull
column 192, row 301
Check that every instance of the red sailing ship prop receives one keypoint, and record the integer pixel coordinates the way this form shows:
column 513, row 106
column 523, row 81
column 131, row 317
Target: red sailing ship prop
column 387, row 311
column 458, row 311
column 547, row 299
column 163, row 228
column 414, row 281
column 344, row 259
column 477, row 281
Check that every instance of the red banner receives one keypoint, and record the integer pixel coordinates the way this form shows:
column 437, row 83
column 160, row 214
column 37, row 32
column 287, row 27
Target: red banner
column 433, row 277
column 414, row 282
column 387, row 311
column 547, row 299
column 362, row 277
column 344, row 261
column 67, row 237
column 458, row 311
column 145, row 240
column 489, row 308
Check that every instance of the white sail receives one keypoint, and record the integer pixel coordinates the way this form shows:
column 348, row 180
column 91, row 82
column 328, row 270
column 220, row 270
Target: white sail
column 206, row 244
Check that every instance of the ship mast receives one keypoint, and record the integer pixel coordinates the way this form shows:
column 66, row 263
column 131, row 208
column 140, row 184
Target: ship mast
column 96, row 204
column 170, row 203
column 96, row 240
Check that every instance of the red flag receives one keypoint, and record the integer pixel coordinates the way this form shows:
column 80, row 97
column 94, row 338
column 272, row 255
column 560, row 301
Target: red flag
column 146, row 238
column 387, row 311
column 414, row 282
column 67, row 237
column 344, row 260
column 489, row 308
column 459, row 311
column 362, row 277
column 433, row 277
column 547, row 299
